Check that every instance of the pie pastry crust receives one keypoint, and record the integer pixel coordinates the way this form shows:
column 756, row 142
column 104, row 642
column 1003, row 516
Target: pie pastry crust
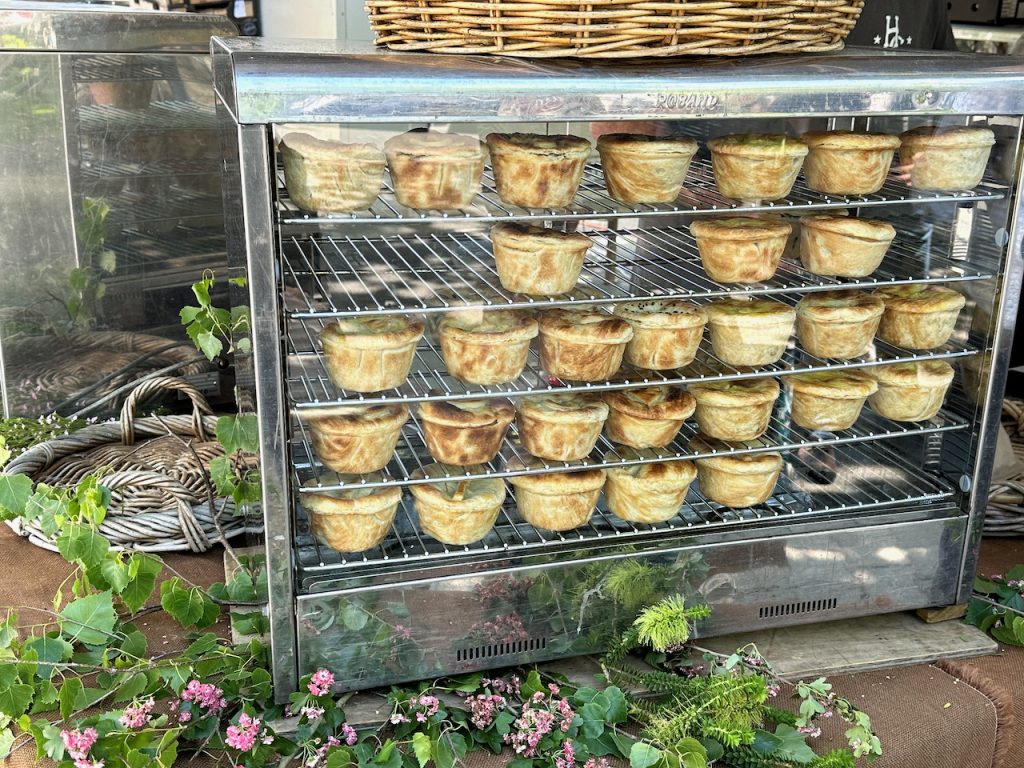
column 370, row 354
column 740, row 249
column 911, row 391
column 829, row 400
column 647, row 493
column 647, row 418
column 435, row 171
column 848, row 163
column 756, row 166
column 842, row 245
column 750, row 332
column 582, row 344
column 357, row 438
column 919, row 316
column 537, row 171
column 537, row 260
column 734, row 410
column 328, row 176
column 456, row 511
column 645, row 169
column 838, row 324
column 486, row 347
column 666, row 332
column 737, row 481
column 464, row 432
column 558, row 501
column 946, row 160
column 352, row 519
column 561, row 427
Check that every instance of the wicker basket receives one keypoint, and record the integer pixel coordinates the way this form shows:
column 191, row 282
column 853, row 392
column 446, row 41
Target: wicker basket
column 1004, row 515
column 613, row 28
column 160, row 493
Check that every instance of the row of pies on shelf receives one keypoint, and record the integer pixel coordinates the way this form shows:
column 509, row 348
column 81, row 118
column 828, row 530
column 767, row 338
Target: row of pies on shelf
column 566, row 427
column 442, row 171
column 462, row 512
column 584, row 344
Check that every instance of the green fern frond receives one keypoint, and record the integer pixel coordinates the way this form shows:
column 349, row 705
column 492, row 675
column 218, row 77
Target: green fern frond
column 667, row 623
column 745, row 757
column 731, row 737
column 670, row 728
column 631, row 584
column 837, row 758
column 620, row 647
column 780, row 716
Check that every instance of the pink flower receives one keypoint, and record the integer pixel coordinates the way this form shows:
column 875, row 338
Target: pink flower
column 313, row 713
column 78, row 743
column 402, row 632
column 810, row 731
column 568, row 757
column 553, row 688
column 349, row 734
column 184, row 716
column 243, row 736
column 206, row 695
column 321, row 682
column 137, row 715
column 596, row 762
column 83, row 763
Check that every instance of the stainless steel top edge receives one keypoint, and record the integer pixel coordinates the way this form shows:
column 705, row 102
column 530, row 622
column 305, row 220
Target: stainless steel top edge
column 69, row 27
column 321, row 81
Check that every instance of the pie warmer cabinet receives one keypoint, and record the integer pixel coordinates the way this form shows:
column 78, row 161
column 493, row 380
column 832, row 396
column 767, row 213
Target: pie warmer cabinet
column 897, row 528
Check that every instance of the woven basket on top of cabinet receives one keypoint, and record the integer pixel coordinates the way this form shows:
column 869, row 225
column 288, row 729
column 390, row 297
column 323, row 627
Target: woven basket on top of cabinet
column 613, row 28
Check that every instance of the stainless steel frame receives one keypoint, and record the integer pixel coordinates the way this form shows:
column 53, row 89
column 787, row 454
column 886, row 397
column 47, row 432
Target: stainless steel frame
column 897, row 529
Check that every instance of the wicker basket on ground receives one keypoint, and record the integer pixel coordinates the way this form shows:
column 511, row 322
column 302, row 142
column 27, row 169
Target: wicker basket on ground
column 156, row 468
column 614, row 28
column 1004, row 515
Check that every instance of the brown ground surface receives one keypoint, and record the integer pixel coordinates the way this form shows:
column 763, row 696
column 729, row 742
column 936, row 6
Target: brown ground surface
column 925, row 716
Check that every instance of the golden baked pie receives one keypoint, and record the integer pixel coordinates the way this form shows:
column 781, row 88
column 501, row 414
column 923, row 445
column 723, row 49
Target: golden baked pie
column 456, row 511
column 838, row 324
column 843, row 245
column 647, row 418
column 647, row 493
column 582, row 344
column 435, row 171
column 975, row 370
column 740, row 249
column 666, row 332
column 558, row 501
column 563, row 427
column 734, row 410
column 328, row 176
column 756, row 166
column 946, row 159
column 918, row 316
column 368, row 354
column 537, row 171
column 465, row 431
column 749, row 332
column 847, row 162
column 352, row 519
column 538, row 261
column 737, row 481
column 645, row 169
column 829, row 400
column 486, row 347
column 357, row 438
column 911, row 391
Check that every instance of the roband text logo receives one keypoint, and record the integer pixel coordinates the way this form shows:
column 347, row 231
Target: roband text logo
column 687, row 102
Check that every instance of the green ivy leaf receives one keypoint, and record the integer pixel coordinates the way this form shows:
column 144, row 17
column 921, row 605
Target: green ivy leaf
column 89, row 619
column 15, row 696
column 189, row 314
column 208, row 344
column 49, row 651
column 45, row 699
column 443, row 755
column 132, row 686
column 421, row 747
column 68, row 695
column 83, row 544
column 340, row 757
column 6, row 742
column 201, row 646
column 532, row 685
column 134, row 643
column 115, row 573
column 354, row 617
column 14, row 493
column 239, row 433
column 187, row 605
column 643, row 755
column 617, row 710
column 143, row 570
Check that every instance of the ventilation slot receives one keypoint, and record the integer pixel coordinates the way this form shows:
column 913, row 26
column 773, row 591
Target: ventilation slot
column 793, row 609
column 500, row 649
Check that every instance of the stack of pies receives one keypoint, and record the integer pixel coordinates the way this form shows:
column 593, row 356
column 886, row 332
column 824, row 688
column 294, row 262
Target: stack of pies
column 537, row 171
column 918, row 316
column 647, row 418
column 352, row 519
column 536, row 260
column 435, row 171
column 946, row 160
column 358, row 438
column 756, row 166
column 842, row 245
column 486, row 347
column 465, row 432
column 666, row 332
column 734, row 410
column 736, row 481
column 740, row 249
column 645, row 169
column 848, row 163
column 558, row 501
column 911, row 391
column 750, row 332
column 582, row 344
column 829, row 400
column 330, row 177
column 647, row 493
column 838, row 324
column 456, row 511
column 561, row 427
column 370, row 354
